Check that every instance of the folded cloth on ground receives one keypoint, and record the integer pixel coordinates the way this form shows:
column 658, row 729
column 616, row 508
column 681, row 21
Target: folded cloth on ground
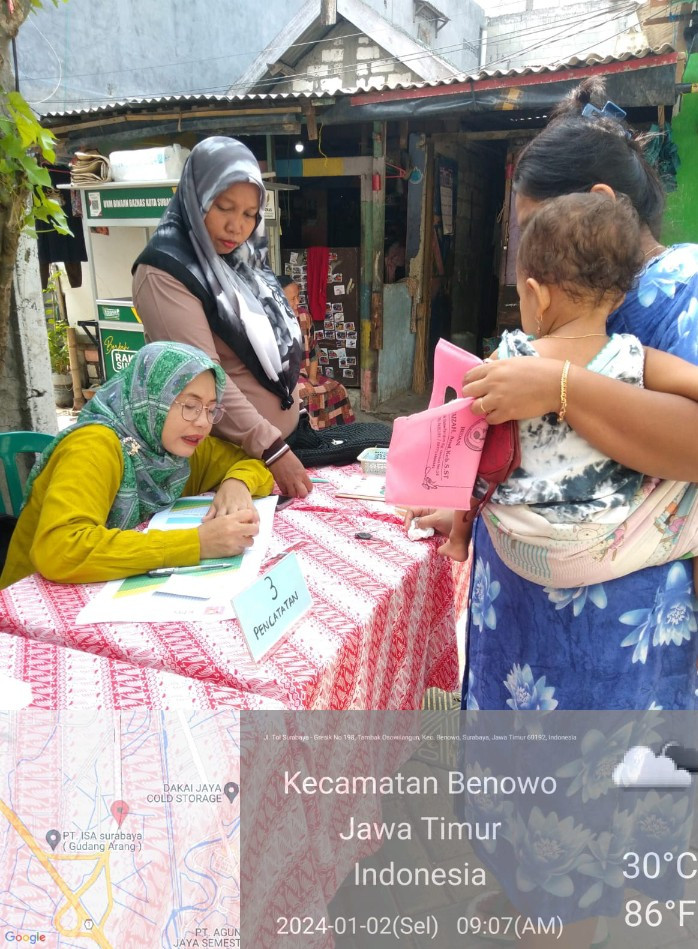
column 88, row 167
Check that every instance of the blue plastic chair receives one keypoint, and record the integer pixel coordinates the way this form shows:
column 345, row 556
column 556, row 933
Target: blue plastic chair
column 11, row 445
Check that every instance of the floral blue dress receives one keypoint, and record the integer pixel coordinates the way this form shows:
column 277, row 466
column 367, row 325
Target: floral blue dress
column 631, row 643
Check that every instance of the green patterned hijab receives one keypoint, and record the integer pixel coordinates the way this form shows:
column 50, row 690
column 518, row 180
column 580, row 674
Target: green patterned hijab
column 134, row 404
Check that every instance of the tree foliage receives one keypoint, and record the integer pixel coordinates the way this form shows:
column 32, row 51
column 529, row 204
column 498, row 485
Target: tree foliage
column 25, row 186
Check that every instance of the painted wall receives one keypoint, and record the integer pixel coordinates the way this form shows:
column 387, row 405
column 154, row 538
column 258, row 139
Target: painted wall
column 79, row 53
column 681, row 216
column 458, row 41
column 84, row 52
column 397, row 355
column 344, row 60
column 113, row 256
column 548, row 34
column 504, row 7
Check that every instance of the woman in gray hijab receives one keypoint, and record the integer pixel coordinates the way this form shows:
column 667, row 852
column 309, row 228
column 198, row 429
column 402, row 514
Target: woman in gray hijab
column 203, row 279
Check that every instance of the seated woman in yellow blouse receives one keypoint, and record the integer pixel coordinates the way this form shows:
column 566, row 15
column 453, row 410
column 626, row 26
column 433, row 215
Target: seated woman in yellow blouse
column 138, row 445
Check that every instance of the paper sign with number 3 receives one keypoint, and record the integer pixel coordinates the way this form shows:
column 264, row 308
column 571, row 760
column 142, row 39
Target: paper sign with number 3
column 269, row 608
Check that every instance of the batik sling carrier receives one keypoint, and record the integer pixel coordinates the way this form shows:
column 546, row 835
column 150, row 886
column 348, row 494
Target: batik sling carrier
column 437, row 456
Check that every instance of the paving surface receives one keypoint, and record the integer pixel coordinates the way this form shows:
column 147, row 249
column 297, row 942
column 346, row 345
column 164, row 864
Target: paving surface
column 407, row 403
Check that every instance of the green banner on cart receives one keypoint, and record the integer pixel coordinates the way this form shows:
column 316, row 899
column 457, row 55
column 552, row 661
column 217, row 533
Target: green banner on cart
column 112, row 311
column 124, row 203
column 119, row 346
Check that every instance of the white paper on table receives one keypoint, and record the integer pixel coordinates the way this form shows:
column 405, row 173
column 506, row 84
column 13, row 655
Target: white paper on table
column 207, row 585
column 183, row 513
column 369, row 487
column 14, row 693
column 178, row 597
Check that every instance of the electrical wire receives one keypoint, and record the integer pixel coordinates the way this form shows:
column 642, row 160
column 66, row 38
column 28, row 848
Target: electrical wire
column 58, row 60
column 572, row 21
column 224, row 92
column 271, row 46
column 319, row 141
column 565, row 33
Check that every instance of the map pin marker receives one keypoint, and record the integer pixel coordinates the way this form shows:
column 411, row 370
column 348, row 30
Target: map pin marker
column 231, row 790
column 53, row 837
column 119, row 811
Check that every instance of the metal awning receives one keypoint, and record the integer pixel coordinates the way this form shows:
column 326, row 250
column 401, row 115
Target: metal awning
column 490, row 99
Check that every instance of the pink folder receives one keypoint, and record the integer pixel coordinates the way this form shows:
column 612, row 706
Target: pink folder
column 434, row 455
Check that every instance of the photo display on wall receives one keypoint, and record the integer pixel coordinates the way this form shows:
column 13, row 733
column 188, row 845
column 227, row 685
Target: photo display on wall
column 337, row 333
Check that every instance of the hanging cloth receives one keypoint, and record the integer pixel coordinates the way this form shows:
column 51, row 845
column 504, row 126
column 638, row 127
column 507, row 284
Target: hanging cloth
column 318, row 263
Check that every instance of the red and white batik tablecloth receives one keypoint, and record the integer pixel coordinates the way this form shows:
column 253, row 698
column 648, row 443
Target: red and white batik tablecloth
column 68, row 679
column 381, row 630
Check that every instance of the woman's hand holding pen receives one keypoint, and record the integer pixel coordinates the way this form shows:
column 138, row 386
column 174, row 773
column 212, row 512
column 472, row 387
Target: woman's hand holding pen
column 506, row 389
column 232, row 495
column 228, row 534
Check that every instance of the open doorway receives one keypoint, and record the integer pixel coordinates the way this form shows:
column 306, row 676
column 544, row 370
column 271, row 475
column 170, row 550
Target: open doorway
column 462, row 259
column 320, row 251
column 323, row 212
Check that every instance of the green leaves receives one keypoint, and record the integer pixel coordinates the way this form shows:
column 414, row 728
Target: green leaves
column 58, row 345
column 22, row 142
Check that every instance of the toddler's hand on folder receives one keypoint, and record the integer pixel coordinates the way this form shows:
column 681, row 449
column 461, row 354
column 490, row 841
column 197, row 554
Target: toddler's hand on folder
column 228, row 534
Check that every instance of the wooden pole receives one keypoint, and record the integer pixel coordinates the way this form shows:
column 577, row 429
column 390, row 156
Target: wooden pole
column 423, row 309
column 78, row 398
column 378, row 236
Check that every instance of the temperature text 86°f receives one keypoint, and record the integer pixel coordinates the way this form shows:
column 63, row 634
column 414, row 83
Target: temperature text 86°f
column 651, row 865
column 652, row 914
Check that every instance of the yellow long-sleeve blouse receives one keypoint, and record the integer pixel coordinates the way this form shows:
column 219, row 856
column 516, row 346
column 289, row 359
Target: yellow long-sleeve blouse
column 62, row 533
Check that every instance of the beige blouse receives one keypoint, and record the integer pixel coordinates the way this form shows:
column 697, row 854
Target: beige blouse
column 253, row 416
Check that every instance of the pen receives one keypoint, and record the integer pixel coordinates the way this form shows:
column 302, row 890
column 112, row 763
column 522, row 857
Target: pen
column 168, row 571
column 281, row 554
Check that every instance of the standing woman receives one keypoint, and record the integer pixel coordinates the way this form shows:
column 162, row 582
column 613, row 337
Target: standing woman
column 630, row 643
column 203, row 279
column 325, row 399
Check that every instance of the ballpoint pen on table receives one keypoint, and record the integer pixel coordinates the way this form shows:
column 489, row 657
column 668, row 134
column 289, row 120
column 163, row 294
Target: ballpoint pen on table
column 271, row 561
column 195, row 568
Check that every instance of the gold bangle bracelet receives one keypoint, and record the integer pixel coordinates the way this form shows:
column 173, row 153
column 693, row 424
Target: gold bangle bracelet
column 563, row 391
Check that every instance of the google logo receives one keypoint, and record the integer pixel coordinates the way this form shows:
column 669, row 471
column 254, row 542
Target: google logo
column 31, row 938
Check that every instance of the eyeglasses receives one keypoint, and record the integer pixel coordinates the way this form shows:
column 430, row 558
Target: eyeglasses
column 192, row 409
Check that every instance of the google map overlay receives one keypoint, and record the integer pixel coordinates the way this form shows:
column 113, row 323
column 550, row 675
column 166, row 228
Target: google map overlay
column 119, row 830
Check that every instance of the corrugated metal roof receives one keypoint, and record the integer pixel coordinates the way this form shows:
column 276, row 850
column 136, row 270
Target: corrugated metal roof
column 372, row 85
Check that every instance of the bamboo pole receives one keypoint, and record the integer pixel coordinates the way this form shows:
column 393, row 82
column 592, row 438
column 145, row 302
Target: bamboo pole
column 179, row 115
column 78, row 398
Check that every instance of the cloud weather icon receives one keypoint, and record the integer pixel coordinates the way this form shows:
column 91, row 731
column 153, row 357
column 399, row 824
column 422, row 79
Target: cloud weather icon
column 642, row 768
column 686, row 758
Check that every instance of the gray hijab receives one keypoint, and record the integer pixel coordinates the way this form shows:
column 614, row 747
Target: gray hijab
column 242, row 299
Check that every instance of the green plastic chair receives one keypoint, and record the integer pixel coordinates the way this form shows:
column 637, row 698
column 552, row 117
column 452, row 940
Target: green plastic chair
column 11, row 445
